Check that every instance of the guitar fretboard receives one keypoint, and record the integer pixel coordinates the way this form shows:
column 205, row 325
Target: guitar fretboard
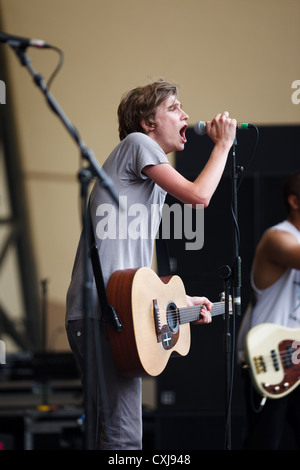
column 193, row 313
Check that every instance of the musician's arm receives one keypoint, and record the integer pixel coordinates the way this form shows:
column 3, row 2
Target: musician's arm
column 277, row 251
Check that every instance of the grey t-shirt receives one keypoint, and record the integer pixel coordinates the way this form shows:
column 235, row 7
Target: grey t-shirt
column 124, row 235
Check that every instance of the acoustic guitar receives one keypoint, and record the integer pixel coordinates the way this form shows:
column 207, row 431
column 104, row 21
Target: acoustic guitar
column 155, row 318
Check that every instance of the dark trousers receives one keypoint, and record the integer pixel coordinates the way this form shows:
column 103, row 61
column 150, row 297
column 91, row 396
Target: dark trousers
column 267, row 424
column 117, row 413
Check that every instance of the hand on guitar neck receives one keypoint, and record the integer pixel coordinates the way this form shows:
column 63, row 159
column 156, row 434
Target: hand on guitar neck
column 205, row 312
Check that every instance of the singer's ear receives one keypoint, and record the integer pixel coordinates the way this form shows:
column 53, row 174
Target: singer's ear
column 147, row 127
column 294, row 202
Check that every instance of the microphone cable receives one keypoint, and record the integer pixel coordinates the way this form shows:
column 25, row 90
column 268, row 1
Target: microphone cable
column 251, row 157
column 57, row 68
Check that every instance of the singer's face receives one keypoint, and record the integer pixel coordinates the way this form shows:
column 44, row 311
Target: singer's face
column 171, row 124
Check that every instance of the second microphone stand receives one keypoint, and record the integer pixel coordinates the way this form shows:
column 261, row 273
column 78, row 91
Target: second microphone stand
column 232, row 286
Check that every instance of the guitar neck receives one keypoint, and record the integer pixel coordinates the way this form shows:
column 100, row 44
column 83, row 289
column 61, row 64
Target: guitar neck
column 190, row 314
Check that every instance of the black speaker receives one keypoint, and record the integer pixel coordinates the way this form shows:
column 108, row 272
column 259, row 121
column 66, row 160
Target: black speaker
column 196, row 431
column 197, row 382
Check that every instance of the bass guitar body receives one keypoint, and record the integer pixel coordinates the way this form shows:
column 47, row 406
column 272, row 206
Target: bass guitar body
column 274, row 359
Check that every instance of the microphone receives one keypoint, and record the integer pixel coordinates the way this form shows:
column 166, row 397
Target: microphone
column 200, row 127
column 17, row 41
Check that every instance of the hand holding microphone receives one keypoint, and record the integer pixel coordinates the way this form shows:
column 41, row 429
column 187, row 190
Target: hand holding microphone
column 219, row 129
column 200, row 127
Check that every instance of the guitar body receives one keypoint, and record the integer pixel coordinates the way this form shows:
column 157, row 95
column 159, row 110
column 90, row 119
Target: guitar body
column 145, row 305
column 274, row 359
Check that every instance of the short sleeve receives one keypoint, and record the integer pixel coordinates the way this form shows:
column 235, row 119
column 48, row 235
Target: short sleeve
column 146, row 152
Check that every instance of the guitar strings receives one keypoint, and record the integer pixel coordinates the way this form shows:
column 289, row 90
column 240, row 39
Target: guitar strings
column 283, row 355
column 186, row 313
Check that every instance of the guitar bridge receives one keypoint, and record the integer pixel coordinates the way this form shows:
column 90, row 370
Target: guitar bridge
column 157, row 321
column 260, row 365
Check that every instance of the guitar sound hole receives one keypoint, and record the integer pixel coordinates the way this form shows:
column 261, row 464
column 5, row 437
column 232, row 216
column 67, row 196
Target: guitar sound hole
column 172, row 317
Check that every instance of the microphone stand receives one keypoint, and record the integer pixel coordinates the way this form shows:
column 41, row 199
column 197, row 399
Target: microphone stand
column 232, row 283
column 85, row 176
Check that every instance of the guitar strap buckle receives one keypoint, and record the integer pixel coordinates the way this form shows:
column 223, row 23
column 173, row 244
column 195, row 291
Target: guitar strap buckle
column 110, row 316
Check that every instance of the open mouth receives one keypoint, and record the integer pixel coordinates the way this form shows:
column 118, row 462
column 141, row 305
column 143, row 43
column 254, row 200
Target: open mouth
column 182, row 133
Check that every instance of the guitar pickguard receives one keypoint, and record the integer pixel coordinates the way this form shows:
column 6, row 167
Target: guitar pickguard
column 291, row 371
column 167, row 334
column 168, row 338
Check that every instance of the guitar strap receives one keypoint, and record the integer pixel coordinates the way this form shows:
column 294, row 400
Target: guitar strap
column 163, row 264
column 162, row 255
column 108, row 312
